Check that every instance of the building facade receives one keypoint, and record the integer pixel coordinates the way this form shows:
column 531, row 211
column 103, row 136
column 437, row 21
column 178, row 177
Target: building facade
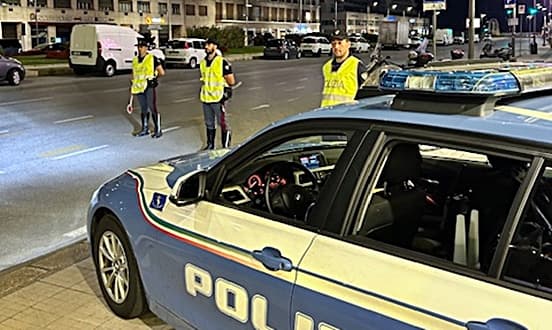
column 39, row 21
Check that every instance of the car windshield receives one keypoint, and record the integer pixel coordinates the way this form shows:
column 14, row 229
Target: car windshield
column 309, row 41
column 310, row 143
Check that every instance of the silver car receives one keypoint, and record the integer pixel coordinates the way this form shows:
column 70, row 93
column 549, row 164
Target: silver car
column 11, row 70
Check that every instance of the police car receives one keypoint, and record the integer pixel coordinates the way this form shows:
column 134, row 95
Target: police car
column 429, row 208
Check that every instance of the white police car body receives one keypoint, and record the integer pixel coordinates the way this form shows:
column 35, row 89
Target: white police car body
column 361, row 216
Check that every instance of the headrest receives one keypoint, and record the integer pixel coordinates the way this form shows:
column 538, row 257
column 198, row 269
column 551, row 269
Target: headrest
column 404, row 163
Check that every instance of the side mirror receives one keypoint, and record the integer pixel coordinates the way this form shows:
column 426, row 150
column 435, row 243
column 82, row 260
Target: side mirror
column 189, row 188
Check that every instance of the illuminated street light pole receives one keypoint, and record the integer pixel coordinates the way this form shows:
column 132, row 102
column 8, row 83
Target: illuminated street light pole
column 471, row 32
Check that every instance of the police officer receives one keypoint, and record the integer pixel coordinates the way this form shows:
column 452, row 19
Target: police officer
column 217, row 78
column 343, row 74
column 146, row 68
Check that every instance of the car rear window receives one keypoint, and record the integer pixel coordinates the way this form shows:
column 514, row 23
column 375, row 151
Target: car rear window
column 178, row 44
column 273, row 43
column 309, row 41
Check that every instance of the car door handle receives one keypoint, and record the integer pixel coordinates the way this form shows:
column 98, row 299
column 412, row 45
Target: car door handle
column 272, row 259
column 495, row 324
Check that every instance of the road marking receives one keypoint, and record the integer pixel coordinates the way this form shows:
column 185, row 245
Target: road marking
column 4, row 132
column 166, row 130
column 526, row 112
column 531, row 120
column 293, row 99
column 262, row 106
column 282, row 83
column 253, row 88
column 76, row 233
column 304, row 79
column 73, row 119
column 2, row 172
column 187, row 99
column 112, row 90
column 26, row 101
column 76, row 153
column 299, row 87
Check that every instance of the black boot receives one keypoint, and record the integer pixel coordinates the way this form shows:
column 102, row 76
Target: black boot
column 157, row 133
column 144, row 131
column 210, row 139
column 225, row 138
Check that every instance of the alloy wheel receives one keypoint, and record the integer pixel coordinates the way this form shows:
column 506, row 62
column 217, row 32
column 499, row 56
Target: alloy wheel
column 113, row 266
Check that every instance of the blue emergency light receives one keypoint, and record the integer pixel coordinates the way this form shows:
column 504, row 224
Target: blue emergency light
column 495, row 80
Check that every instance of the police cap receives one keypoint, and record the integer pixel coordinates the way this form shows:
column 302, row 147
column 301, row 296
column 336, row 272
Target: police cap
column 211, row 41
column 142, row 42
column 339, row 35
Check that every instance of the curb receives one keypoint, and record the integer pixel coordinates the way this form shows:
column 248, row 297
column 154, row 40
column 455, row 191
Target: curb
column 19, row 276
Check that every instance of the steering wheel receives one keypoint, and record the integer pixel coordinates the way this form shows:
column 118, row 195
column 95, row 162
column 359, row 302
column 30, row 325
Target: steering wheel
column 291, row 200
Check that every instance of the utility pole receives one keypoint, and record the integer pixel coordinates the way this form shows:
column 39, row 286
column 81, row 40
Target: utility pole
column 434, row 48
column 367, row 16
column 471, row 32
column 169, row 12
column 300, row 11
column 246, row 22
column 335, row 14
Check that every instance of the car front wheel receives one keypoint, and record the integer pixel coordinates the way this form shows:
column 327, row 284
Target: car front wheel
column 117, row 270
column 14, row 77
column 109, row 69
column 193, row 63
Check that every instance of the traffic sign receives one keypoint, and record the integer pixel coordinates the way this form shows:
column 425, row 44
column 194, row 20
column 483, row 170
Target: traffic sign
column 509, row 3
column 512, row 21
column 435, row 5
column 521, row 9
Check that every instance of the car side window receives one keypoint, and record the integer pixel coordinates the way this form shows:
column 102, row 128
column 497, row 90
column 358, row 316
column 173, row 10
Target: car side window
column 197, row 44
column 444, row 202
column 286, row 179
column 529, row 259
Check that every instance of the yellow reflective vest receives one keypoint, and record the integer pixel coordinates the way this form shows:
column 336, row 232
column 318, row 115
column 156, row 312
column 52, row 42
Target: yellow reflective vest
column 212, row 77
column 141, row 73
column 340, row 86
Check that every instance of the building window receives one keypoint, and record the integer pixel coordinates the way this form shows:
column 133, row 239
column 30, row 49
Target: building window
column 12, row 2
column 125, row 6
column 163, row 8
column 264, row 13
column 274, row 14
column 105, row 5
column 62, row 3
column 289, row 18
column 190, row 10
column 39, row 3
column 241, row 11
column 202, row 10
column 85, row 4
column 281, row 14
column 229, row 11
column 144, row 7
column 175, row 8
column 218, row 11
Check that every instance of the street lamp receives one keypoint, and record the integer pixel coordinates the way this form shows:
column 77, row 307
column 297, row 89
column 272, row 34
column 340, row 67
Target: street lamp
column 247, row 6
column 375, row 3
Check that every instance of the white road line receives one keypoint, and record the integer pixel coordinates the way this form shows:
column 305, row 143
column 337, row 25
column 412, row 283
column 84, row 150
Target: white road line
column 262, row 106
column 26, row 101
column 171, row 129
column 80, row 152
column 73, row 119
column 2, row 172
column 293, row 99
column 299, row 87
column 282, row 83
column 304, row 79
column 187, row 99
column 253, row 88
column 4, row 132
column 76, row 233
column 531, row 120
column 113, row 90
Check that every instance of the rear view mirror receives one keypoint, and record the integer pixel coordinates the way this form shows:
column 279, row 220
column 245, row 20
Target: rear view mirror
column 189, row 188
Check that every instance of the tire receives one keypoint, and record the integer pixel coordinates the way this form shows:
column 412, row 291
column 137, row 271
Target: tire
column 123, row 271
column 319, row 53
column 110, row 69
column 298, row 56
column 193, row 63
column 14, row 77
column 286, row 56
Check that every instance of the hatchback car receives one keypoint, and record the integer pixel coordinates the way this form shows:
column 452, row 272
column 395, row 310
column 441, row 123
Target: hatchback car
column 185, row 52
column 429, row 208
column 11, row 70
column 315, row 46
column 281, row 48
column 359, row 44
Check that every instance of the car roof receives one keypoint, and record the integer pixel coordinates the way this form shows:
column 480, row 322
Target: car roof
column 187, row 39
column 499, row 123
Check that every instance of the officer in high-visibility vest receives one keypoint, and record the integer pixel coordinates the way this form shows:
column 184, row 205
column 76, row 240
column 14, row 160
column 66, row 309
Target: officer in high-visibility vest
column 217, row 80
column 146, row 68
column 343, row 74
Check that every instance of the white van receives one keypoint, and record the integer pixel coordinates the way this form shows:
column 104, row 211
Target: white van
column 102, row 48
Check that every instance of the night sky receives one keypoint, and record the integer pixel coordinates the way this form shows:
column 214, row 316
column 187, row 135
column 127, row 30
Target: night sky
column 457, row 12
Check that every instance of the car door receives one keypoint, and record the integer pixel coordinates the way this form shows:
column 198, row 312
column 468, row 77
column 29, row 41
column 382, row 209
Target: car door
column 199, row 50
column 367, row 278
column 228, row 263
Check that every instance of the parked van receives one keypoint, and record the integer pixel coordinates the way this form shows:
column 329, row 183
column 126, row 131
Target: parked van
column 102, row 48
column 10, row 47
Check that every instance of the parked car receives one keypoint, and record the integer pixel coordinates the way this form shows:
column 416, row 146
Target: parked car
column 58, row 50
column 372, row 214
column 459, row 39
column 185, row 52
column 11, row 70
column 36, row 50
column 315, row 46
column 281, row 48
column 10, row 47
column 359, row 44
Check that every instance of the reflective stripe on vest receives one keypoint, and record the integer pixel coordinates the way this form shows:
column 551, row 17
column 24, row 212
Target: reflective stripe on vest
column 340, row 86
column 212, row 89
column 141, row 73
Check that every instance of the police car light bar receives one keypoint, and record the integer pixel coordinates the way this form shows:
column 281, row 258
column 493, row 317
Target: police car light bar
column 495, row 81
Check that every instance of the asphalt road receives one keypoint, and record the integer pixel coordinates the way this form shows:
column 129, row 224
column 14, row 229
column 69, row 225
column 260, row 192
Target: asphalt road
column 61, row 137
